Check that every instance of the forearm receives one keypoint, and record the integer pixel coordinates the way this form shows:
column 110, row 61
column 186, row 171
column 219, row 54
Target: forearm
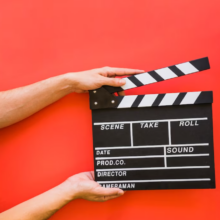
column 20, row 103
column 45, row 205
column 40, row 207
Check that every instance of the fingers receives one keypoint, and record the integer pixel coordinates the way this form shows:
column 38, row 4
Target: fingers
column 106, row 198
column 109, row 191
column 116, row 82
column 112, row 71
column 111, row 197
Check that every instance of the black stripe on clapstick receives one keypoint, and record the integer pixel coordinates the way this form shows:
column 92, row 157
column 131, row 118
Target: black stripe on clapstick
column 177, row 71
column 179, row 98
column 135, row 81
column 119, row 100
column 201, row 64
column 158, row 99
column 137, row 101
column 156, row 76
column 204, row 97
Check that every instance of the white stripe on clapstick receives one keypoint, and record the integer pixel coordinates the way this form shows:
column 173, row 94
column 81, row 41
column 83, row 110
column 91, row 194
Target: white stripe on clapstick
column 145, row 78
column 169, row 99
column 128, row 85
column 190, row 98
column 187, row 68
column 148, row 100
column 166, row 73
column 127, row 101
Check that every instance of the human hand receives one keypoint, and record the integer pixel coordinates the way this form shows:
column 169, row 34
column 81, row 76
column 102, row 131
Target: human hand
column 96, row 78
column 83, row 186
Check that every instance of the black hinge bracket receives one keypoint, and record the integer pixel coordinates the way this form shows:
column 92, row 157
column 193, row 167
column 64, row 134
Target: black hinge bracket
column 101, row 98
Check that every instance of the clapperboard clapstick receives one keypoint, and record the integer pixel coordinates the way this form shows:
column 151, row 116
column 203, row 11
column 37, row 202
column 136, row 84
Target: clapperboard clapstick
column 154, row 141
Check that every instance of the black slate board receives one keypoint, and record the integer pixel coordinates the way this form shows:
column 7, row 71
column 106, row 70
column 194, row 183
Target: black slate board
column 166, row 147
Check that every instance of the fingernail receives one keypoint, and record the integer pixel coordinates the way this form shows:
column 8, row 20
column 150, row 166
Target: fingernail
column 122, row 81
column 120, row 192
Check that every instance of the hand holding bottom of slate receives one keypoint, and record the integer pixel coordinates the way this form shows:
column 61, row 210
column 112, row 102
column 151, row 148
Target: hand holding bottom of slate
column 83, row 186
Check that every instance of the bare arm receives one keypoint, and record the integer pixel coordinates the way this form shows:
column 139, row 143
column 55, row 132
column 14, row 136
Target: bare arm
column 45, row 205
column 18, row 104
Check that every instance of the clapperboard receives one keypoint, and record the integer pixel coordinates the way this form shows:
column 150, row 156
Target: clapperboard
column 154, row 141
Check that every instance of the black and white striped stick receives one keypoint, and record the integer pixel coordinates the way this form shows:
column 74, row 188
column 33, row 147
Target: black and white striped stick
column 97, row 101
column 168, row 99
column 162, row 74
column 102, row 97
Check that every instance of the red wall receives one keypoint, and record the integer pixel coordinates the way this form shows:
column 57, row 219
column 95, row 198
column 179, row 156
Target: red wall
column 40, row 39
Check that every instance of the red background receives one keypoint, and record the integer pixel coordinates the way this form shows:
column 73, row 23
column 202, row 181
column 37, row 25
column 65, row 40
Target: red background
column 40, row 39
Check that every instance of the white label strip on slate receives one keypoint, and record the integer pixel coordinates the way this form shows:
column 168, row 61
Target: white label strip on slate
column 127, row 101
column 190, row 98
column 148, row 181
column 145, row 78
column 153, row 156
column 151, row 146
column 128, row 85
column 160, row 120
column 166, row 73
column 169, row 99
column 148, row 100
column 187, row 68
column 155, row 168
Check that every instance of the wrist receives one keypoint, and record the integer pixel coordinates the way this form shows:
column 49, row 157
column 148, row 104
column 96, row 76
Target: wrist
column 67, row 190
column 71, row 81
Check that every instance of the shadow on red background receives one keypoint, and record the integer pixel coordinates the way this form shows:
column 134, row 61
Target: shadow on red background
column 40, row 39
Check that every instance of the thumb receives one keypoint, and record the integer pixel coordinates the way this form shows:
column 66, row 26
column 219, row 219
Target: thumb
column 109, row 191
column 113, row 81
